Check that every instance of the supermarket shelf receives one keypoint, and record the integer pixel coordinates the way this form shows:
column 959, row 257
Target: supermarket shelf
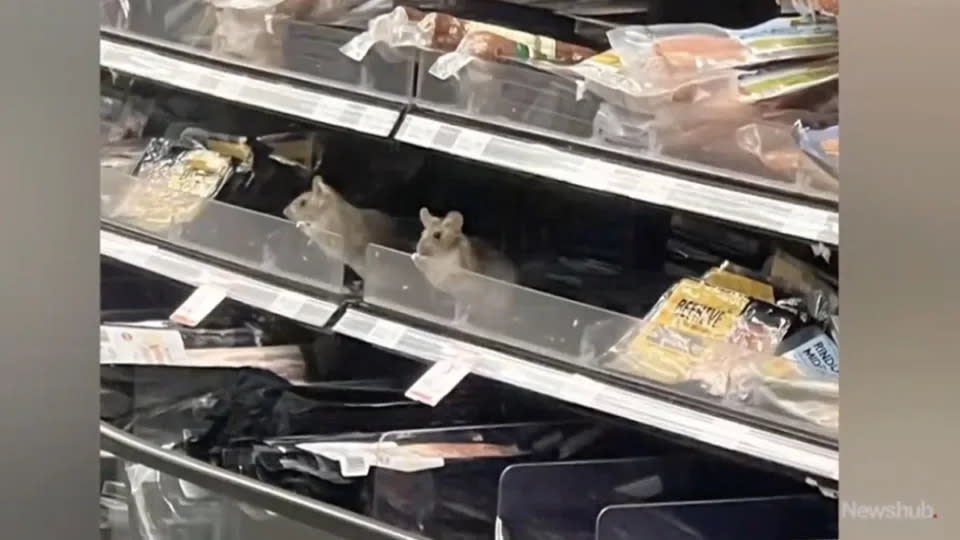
column 578, row 389
column 739, row 206
column 242, row 288
column 261, row 91
column 817, row 460
column 264, row 89
column 325, row 518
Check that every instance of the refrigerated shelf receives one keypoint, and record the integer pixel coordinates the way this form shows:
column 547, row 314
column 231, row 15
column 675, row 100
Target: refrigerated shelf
column 395, row 334
column 481, row 140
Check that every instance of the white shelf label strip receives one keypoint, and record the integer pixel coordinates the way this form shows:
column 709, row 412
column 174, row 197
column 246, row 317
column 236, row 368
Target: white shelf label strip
column 239, row 287
column 581, row 390
column 279, row 97
column 727, row 204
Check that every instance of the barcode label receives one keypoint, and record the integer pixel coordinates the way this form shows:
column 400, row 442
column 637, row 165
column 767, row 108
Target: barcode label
column 196, row 308
column 420, row 131
column 471, row 144
column 386, row 333
column 287, row 304
column 438, row 381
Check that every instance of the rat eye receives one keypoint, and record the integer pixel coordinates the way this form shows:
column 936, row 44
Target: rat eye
column 437, row 235
column 302, row 203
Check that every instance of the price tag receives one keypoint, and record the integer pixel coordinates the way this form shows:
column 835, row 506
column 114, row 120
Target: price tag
column 420, row 131
column 138, row 254
column 583, row 390
column 141, row 346
column 471, row 144
column 386, row 333
column 287, row 304
column 196, row 308
column 438, row 381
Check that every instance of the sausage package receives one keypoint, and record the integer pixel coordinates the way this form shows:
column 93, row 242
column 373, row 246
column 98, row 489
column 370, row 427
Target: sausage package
column 776, row 146
column 461, row 39
column 491, row 42
column 696, row 333
column 802, row 380
column 671, row 51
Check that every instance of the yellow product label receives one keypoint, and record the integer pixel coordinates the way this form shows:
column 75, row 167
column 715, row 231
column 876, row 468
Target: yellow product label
column 232, row 149
column 775, row 84
column 777, row 367
column 700, row 309
column 767, row 44
column 607, row 58
column 682, row 329
column 742, row 284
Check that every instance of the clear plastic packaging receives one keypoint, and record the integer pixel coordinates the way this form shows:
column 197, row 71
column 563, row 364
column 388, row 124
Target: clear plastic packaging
column 695, row 334
column 776, row 146
column 544, row 501
column 243, row 31
column 444, row 483
column 798, row 517
column 822, row 145
column 461, row 39
column 115, row 14
column 496, row 43
column 676, row 52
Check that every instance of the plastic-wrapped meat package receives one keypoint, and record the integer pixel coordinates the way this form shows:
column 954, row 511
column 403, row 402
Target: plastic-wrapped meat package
column 461, row 39
column 802, row 381
column 665, row 52
column 696, row 334
column 444, row 483
column 775, row 145
column 739, row 131
column 496, row 43
column 174, row 181
column 243, row 31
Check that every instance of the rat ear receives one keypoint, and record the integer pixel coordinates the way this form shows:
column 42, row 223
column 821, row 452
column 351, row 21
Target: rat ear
column 455, row 219
column 425, row 217
column 319, row 188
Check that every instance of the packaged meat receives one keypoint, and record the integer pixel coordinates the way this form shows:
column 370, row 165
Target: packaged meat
column 652, row 53
column 605, row 75
column 814, row 7
column 775, row 146
column 724, row 276
column 801, row 381
column 407, row 27
column 490, row 42
column 462, row 39
column 697, row 333
column 822, row 145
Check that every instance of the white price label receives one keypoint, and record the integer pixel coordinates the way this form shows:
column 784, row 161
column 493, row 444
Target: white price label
column 386, row 333
column 141, row 346
column 288, row 304
column 583, row 390
column 471, row 144
column 438, row 381
column 420, row 131
column 138, row 254
column 196, row 308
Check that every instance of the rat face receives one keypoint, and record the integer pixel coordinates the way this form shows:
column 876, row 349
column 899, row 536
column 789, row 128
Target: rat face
column 439, row 235
column 310, row 206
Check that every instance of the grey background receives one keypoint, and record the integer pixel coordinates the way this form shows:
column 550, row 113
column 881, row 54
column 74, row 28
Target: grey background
column 48, row 283
column 900, row 434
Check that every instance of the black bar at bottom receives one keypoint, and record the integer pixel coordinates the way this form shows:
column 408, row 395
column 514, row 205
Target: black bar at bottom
column 325, row 518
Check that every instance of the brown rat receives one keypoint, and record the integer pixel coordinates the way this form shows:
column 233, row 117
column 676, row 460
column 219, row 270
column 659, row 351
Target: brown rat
column 322, row 210
column 444, row 252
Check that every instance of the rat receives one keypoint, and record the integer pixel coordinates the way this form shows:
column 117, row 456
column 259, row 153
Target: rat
column 444, row 252
column 322, row 210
